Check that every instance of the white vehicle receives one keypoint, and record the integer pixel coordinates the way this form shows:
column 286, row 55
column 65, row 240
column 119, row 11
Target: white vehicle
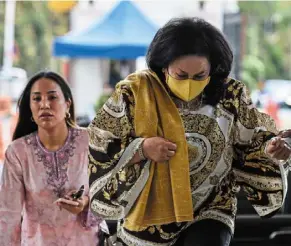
column 280, row 92
column 12, row 82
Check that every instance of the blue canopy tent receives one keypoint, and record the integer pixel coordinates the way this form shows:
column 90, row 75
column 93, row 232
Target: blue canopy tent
column 125, row 33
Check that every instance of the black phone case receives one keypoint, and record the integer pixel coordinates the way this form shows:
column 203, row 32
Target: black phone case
column 78, row 194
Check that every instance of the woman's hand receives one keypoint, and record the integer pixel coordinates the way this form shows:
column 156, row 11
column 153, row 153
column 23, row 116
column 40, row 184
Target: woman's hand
column 73, row 206
column 278, row 149
column 158, row 149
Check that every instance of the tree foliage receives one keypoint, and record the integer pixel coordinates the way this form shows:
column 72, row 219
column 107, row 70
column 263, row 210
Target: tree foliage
column 35, row 28
column 268, row 40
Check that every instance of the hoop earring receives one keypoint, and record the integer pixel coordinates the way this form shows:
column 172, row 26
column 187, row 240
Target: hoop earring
column 68, row 115
column 31, row 118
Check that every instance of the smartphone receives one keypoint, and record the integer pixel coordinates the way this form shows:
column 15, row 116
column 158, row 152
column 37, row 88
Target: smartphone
column 78, row 194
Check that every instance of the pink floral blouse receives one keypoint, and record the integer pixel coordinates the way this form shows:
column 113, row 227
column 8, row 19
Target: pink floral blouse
column 32, row 179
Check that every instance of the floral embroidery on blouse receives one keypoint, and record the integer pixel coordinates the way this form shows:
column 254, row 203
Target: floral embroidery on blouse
column 55, row 162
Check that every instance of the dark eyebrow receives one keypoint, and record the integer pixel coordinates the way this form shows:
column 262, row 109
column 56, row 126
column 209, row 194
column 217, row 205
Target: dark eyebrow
column 197, row 74
column 200, row 73
column 51, row 92
column 182, row 71
column 38, row 93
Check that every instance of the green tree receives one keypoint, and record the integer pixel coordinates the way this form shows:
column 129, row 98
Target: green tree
column 35, row 28
column 2, row 17
column 268, row 39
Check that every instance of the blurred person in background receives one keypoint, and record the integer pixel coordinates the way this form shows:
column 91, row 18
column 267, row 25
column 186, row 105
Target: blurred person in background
column 264, row 101
column 259, row 95
column 171, row 147
column 8, row 120
column 272, row 108
column 43, row 167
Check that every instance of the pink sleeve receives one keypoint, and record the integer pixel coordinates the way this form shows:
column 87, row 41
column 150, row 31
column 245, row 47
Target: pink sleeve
column 88, row 220
column 11, row 200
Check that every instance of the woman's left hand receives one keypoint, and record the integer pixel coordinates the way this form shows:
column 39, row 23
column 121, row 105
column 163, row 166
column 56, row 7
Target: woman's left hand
column 73, row 206
column 278, row 149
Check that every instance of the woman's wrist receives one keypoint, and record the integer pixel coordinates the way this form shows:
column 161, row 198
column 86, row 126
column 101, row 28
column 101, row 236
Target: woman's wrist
column 141, row 151
column 86, row 203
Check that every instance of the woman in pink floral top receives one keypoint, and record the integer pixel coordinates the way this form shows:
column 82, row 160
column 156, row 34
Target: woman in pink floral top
column 44, row 165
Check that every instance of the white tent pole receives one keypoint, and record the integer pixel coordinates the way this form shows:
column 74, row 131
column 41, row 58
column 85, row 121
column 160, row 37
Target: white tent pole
column 9, row 27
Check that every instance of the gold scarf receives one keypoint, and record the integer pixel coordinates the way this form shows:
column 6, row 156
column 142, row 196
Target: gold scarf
column 166, row 197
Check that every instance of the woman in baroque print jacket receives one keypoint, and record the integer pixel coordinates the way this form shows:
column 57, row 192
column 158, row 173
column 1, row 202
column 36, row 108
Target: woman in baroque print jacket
column 172, row 146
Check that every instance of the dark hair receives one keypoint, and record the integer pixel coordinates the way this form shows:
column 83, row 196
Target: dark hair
column 25, row 125
column 192, row 36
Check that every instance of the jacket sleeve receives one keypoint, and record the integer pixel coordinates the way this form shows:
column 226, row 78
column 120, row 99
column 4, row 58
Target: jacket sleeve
column 12, row 195
column 263, row 179
column 114, row 184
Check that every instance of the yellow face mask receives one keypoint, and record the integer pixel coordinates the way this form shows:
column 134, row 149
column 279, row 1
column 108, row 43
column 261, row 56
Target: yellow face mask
column 187, row 89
